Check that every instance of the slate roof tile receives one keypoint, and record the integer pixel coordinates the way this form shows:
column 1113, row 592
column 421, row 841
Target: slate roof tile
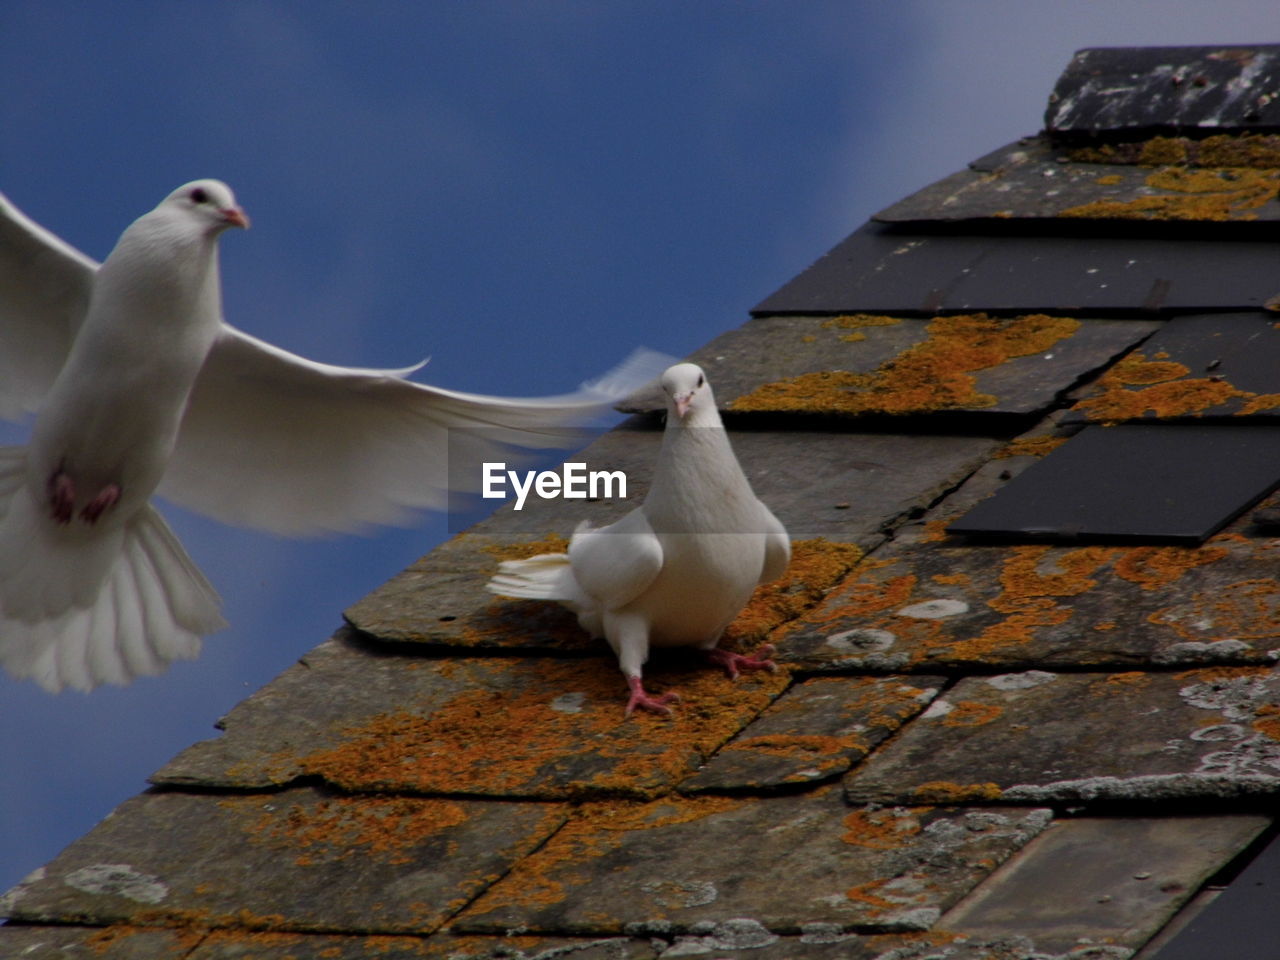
column 975, row 750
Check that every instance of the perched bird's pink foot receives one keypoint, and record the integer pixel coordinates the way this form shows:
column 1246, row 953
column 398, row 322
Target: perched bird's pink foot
column 107, row 498
column 735, row 663
column 640, row 699
column 62, row 496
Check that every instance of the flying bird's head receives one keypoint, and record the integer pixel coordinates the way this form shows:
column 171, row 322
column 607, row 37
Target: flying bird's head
column 686, row 387
column 211, row 201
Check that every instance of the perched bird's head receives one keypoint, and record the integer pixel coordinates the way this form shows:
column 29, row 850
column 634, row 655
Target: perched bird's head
column 211, row 201
column 686, row 387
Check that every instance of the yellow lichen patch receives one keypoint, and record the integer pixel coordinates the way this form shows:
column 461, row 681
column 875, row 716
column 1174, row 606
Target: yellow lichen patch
column 883, row 829
column 1257, row 151
column 1030, row 447
column 1191, row 194
column 937, row 374
column 385, row 828
column 1124, row 684
column 952, row 579
column 791, row 746
column 595, row 830
column 521, row 740
column 1165, row 393
column 856, row 323
column 1154, row 568
column 816, row 566
column 946, row 791
column 970, row 713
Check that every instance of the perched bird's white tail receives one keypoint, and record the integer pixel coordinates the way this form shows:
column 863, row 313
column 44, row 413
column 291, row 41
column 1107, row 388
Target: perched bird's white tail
column 547, row 576
column 79, row 611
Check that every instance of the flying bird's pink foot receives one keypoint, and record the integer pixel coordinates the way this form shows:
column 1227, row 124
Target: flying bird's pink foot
column 62, row 496
column 107, row 498
column 641, row 700
column 735, row 663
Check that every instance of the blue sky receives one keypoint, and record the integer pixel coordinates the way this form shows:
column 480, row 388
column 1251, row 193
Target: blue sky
column 522, row 190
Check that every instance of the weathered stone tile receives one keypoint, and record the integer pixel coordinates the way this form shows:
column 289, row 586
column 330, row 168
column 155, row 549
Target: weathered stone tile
column 1113, row 881
column 815, row 731
column 669, row 866
column 858, row 365
column 312, row 861
column 247, row 945
column 927, row 601
column 1043, row 737
column 95, row 943
column 502, row 727
column 845, row 489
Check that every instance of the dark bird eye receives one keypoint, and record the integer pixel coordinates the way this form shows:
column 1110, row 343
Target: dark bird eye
column 701, row 380
column 199, row 195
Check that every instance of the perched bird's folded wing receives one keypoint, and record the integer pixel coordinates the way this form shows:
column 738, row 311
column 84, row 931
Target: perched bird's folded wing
column 44, row 292
column 615, row 564
column 777, row 549
column 274, row 441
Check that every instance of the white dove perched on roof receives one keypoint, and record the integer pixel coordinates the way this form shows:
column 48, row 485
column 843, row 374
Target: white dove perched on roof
column 139, row 386
column 676, row 570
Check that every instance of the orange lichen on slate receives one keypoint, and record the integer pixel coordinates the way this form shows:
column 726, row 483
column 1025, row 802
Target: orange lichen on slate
column 816, row 566
column 1154, row 568
column 1244, row 610
column 1268, row 720
column 970, row 713
column 595, row 830
column 882, row 829
column 946, row 791
column 856, row 322
column 1030, row 447
column 1166, row 392
column 1191, row 194
column 519, row 740
column 523, row 550
column 937, row 374
column 385, row 828
column 108, row 941
column 1253, row 150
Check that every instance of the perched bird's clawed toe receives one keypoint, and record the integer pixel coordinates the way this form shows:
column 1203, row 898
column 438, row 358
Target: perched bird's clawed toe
column 643, row 701
column 735, row 663
column 107, row 498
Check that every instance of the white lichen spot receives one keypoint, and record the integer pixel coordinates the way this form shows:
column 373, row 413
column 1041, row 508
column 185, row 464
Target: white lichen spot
column 916, row 918
column 939, row 708
column 740, row 933
column 569, row 702
column 818, row 933
column 1219, row 731
column 678, row 894
column 1236, row 698
column 1021, row 681
column 1196, row 651
column 938, row 609
column 117, row 880
column 864, row 640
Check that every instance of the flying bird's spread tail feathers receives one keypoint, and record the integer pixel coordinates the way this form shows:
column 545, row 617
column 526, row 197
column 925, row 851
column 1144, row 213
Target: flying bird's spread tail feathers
column 547, row 576
column 77, row 611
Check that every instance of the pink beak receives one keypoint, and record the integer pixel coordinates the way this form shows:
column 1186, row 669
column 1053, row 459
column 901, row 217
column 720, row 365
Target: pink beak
column 236, row 217
column 682, row 404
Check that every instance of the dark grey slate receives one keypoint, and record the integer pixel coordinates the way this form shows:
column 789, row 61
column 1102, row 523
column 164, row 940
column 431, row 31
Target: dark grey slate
column 1236, row 354
column 40, row 942
column 676, row 865
column 1241, row 916
column 767, row 350
column 1032, row 181
column 248, row 945
column 1045, row 737
column 1148, row 483
column 1114, row 880
column 816, row 731
column 1141, row 90
column 878, row 269
column 297, row 860
column 500, row 727
column 928, row 602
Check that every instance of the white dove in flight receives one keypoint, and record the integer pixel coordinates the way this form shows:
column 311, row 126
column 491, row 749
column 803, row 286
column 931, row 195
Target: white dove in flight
column 140, row 387
column 676, row 570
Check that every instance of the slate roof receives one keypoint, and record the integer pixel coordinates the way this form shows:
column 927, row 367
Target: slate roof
column 1015, row 721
